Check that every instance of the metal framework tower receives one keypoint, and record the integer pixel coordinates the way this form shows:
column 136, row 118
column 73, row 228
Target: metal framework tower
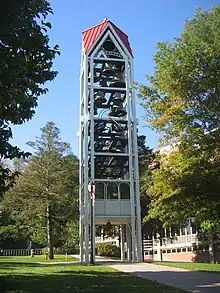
column 108, row 141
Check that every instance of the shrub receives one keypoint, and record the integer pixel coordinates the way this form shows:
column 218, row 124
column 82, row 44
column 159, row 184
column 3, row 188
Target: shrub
column 106, row 249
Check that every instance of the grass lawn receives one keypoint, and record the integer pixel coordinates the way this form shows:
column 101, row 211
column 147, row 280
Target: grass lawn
column 202, row 267
column 37, row 258
column 51, row 278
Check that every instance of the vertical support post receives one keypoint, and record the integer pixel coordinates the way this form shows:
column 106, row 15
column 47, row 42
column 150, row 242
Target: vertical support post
column 92, row 227
column 136, row 168
column 122, row 236
column 86, row 195
column 81, row 219
column 92, row 259
column 128, row 239
column 131, row 169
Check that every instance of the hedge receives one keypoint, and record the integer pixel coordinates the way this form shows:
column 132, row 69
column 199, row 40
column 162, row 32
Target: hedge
column 106, row 249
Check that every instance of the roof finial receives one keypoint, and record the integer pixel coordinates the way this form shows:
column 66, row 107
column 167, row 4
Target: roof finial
column 105, row 19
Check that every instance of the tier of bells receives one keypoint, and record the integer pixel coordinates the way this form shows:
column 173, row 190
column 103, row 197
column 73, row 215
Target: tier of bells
column 111, row 75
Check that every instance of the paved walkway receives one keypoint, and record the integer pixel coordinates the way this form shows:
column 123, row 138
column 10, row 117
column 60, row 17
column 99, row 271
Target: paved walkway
column 196, row 282
column 192, row 281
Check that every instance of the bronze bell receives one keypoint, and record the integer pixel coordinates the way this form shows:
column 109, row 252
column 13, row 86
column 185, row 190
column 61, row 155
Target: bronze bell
column 100, row 98
column 103, row 82
column 118, row 146
column 110, row 68
column 117, row 111
column 108, row 45
column 118, row 80
column 117, row 99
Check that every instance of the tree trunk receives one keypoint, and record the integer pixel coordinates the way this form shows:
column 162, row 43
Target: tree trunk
column 49, row 233
column 212, row 252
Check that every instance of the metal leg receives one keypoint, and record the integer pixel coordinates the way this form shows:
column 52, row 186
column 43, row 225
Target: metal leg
column 122, row 236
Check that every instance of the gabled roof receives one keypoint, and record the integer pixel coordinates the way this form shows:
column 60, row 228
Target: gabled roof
column 90, row 35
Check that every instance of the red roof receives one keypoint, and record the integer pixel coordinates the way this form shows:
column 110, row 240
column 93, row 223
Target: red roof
column 90, row 35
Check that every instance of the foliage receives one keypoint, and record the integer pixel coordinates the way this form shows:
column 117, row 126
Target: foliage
column 182, row 97
column 182, row 103
column 106, row 249
column 47, row 188
column 26, row 60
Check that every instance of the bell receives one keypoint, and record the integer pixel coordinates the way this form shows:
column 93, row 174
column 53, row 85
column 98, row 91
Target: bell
column 117, row 111
column 118, row 80
column 117, row 99
column 110, row 68
column 100, row 98
column 108, row 45
column 118, row 146
column 103, row 82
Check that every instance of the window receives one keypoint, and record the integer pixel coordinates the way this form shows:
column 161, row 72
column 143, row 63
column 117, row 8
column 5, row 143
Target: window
column 178, row 250
column 124, row 191
column 112, row 191
column 99, row 190
column 184, row 250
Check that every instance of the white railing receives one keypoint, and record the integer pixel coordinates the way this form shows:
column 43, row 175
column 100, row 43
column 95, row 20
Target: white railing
column 174, row 242
column 20, row 252
column 112, row 240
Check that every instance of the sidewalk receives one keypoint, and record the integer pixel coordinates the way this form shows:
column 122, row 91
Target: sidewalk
column 196, row 282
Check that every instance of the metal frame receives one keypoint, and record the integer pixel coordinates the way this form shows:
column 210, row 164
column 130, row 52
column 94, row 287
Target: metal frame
column 131, row 228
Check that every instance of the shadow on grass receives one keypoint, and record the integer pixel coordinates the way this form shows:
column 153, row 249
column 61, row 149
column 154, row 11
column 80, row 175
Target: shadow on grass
column 78, row 279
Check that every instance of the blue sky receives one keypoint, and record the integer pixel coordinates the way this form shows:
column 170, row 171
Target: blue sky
column 145, row 22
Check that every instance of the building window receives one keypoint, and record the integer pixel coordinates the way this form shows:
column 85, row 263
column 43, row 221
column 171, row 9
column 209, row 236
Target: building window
column 124, row 191
column 99, row 190
column 112, row 191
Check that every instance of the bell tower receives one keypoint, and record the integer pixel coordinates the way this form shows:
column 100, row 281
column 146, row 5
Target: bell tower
column 108, row 141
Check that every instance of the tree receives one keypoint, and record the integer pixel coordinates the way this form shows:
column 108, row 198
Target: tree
column 182, row 104
column 182, row 98
column 26, row 60
column 48, row 189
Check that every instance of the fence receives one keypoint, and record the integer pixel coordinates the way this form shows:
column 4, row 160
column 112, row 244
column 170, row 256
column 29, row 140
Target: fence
column 20, row 252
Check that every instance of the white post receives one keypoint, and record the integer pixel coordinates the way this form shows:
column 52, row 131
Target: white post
column 128, row 240
column 131, row 169
column 122, row 236
column 81, row 226
column 86, row 195
column 92, row 148
column 136, row 168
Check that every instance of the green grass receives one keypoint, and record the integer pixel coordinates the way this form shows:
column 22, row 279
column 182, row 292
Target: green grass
column 202, row 267
column 37, row 258
column 51, row 278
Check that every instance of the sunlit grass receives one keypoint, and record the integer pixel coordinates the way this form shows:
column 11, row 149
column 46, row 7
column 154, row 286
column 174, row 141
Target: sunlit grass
column 38, row 258
column 49, row 278
column 202, row 267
